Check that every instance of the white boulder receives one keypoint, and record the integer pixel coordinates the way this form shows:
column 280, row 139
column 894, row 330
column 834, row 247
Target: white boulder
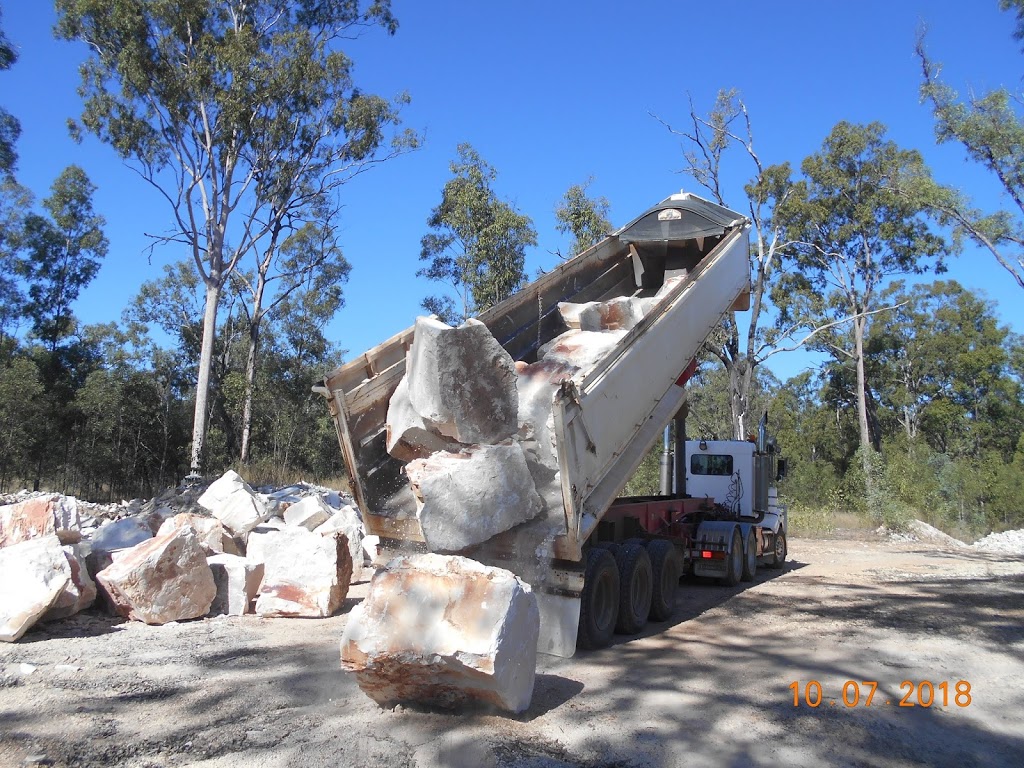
column 444, row 631
column 120, row 534
column 348, row 521
column 308, row 513
column 34, row 574
column 80, row 591
column 619, row 314
column 409, row 435
column 305, row 574
column 34, row 518
column 213, row 536
column 234, row 503
column 465, row 498
column 462, row 381
column 581, row 349
column 163, row 579
column 238, row 581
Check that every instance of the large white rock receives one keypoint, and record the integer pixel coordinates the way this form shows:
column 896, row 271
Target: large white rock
column 465, row 498
column 462, row 381
column 306, row 574
column 121, row 534
column 308, row 513
column 444, row 631
column 34, row 518
column 238, row 581
column 213, row 536
column 33, row 574
column 257, row 537
column 619, row 314
column 409, row 435
column 582, row 349
column 163, row 579
column 234, row 503
column 80, row 591
column 348, row 521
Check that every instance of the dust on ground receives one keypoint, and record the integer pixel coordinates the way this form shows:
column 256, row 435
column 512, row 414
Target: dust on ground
column 713, row 686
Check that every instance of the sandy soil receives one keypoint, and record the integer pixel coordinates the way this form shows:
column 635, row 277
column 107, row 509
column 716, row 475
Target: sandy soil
column 710, row 687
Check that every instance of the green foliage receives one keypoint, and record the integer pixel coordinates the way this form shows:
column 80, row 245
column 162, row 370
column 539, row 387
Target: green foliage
column 990, row 127
column 583, row 217
column 477, row 243
column 810, row 521
column 10, row 129
column 646, row 481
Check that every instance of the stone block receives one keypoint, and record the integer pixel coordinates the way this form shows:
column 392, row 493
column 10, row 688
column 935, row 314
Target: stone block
column 213, row 536
column 466, row 498
column 444, row 631
column 308, row 513
column 409, row 435
column 163, row 579
column 348, row 521
column 234, row 503
column 80, row 591
column 619, row 314
column 238, row 582
column 580, row 349
column 305, row 574
column 34, row 518
column 257, row 537
column 34, row 574
column 121, row 534
column 462, row 381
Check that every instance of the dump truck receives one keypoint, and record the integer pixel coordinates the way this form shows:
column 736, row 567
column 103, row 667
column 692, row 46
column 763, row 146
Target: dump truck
column 598, row 563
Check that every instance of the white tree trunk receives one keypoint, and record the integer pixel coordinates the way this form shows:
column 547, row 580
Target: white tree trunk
column 203, row 381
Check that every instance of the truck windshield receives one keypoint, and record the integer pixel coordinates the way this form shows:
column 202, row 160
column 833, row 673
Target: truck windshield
column 710, row 464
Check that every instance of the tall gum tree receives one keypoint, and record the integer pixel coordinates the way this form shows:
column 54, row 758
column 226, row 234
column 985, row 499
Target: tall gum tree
column 990, row 127
column 240, row 113
column 854, row 222
column 582, row 216
column 740, row 345
column 477, row 243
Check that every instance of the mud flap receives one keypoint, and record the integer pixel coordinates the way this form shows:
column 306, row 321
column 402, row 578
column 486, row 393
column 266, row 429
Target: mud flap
column 559, row 623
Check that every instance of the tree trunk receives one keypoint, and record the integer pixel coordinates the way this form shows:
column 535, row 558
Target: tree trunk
column 250, row 382
column 862, row 405
column 203, row 382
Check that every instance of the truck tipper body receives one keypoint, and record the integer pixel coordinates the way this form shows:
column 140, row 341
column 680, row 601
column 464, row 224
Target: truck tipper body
column 687, row 258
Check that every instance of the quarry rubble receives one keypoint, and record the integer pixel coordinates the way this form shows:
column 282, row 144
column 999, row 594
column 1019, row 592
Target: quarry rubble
column 191, row 552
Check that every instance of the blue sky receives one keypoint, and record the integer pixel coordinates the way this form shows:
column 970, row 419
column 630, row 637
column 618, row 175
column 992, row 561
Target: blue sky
column 550, row 94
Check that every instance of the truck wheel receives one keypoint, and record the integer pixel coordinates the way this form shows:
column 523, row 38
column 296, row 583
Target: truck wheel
column 666, row 566
column 778, row 550
column 635, row 584
column 599, row 601
column 734, row 561
column 750, row 558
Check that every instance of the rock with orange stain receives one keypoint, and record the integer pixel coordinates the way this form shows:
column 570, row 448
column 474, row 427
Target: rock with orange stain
column 213, row 537
column 34, row 518
column 80, row 591
column 234, row 503
column 305, row 573
column 165, row 578
column 581, row 349
column 444, row 631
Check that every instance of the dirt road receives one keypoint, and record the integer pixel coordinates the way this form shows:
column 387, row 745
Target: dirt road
column 711, row 687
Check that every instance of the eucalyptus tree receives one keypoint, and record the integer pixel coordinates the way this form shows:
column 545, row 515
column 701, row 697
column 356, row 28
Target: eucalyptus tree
column 477, row 244
column 582, row 216
column 854, row 222
column 239, row 113
column 739, row 345
column 990, row 127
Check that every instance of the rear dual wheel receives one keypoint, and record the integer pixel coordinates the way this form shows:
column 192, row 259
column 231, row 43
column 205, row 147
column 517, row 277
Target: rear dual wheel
column 599, row 600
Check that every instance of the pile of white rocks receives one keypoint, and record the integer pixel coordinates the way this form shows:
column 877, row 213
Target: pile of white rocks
column 1007, row 542
column 184, row 555
column 476, row 431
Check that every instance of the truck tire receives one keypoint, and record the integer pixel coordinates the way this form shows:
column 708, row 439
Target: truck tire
column 779, row 551
column 750, row 558
column 599, row 600
column 666, row 567
column 635, row 586
column 610, row 546
column 734, row 561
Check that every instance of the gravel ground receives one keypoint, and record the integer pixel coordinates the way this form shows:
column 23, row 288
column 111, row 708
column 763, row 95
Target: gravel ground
column 713, row 686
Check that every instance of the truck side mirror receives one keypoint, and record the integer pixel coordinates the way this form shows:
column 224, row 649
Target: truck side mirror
column 780, row 470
